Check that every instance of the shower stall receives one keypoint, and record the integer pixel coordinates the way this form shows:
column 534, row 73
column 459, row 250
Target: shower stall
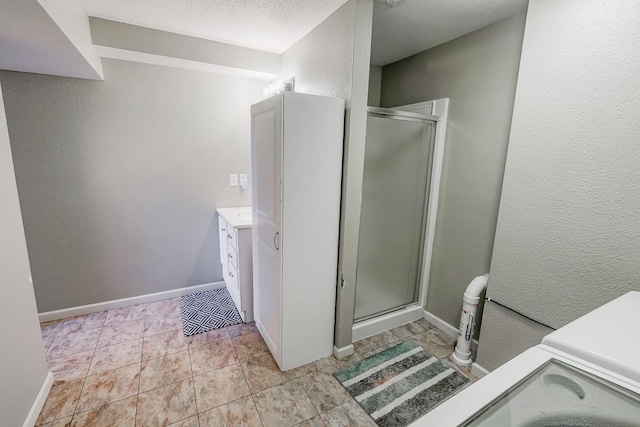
column 395, row 216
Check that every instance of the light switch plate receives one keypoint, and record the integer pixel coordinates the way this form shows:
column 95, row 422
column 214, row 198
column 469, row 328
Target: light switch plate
column 233, row 180
column 243, row 180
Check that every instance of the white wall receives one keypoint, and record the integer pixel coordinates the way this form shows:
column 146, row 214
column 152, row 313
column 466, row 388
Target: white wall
column 568, row 234
column 478, row 73
column 23, row 368
column 119, row 180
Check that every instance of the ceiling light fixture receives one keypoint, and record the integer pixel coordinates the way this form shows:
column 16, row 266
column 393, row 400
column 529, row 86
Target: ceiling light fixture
column 278, row 86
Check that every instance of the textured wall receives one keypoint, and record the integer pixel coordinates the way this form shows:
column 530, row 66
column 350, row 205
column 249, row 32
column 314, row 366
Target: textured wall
column 322, row 61
column 478, row 72
column 568, row 238
column 119, row 180
column 23, row 368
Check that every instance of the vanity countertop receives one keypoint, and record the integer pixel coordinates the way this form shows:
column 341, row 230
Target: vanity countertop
column 237, row 217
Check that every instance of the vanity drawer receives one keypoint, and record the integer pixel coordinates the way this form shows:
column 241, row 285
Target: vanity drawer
column 232, row 237
column 232, row 278
column 232, row 255
column 222, row 229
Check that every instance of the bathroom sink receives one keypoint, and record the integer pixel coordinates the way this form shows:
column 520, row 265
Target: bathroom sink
column 237, row 217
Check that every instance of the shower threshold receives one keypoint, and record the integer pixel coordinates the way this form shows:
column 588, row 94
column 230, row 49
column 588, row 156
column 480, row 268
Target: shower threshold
column 381, row 322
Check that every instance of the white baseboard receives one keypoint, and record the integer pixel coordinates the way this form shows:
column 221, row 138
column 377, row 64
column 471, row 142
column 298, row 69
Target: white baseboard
column 343, row 352
column 126, row 302
column 385, row 322
column 478, row 370
column 446, row 327
column 39, row 401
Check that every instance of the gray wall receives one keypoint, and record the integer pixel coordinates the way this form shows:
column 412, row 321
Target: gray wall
column 23, row 368
column 119, row 180
column 568, row 235
column 478, row 72
column 375, row 85
column 322, row 61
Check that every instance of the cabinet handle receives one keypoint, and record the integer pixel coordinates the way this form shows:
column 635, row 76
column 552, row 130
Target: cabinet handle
column 228, row 236
column 274, row 240
column 230, row 256
column 223, row 229
column 230, row 274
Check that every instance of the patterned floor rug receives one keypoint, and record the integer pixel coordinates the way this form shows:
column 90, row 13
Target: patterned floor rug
column 400, row 384
column 208, row 310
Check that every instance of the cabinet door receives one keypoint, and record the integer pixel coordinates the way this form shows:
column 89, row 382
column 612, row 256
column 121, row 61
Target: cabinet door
column 266, row 152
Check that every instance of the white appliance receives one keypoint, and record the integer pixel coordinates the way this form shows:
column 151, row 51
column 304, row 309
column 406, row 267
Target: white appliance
column 296, row 150
column 586, row 373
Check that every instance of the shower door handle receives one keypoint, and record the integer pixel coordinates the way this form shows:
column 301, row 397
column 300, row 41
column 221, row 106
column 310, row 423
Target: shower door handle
column 276, row 240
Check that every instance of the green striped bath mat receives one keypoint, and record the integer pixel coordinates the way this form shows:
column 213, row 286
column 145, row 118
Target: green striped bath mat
column 400, row 384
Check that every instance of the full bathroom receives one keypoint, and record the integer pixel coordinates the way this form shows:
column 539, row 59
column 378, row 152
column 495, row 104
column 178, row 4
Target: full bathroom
column 426, row 148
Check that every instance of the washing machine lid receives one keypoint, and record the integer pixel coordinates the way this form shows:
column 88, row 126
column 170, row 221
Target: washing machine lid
column 608, row 336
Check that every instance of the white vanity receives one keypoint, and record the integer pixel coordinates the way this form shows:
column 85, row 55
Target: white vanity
column 234, row 226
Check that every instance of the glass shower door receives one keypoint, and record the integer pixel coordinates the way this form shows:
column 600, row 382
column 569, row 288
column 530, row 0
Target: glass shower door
column 397, row 166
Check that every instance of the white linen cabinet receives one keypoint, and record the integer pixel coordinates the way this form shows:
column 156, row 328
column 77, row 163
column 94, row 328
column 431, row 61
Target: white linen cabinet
column 296, row 150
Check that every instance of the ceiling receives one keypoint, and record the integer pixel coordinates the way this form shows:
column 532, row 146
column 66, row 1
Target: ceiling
column 47, row 37
column 274, row 25
column 413, row 26
column 271, row 25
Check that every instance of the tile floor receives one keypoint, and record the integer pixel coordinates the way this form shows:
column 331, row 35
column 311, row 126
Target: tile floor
column 133, row 367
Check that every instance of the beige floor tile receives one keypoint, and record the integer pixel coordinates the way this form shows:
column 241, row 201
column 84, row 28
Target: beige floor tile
column 209, row 337
column 345, row 362
column 77, row 342
column 379, row 340
column 250, row 346
column 62, row 422
column 406, row 331
column 424, row 323
column 69, row 368
column 188, row 422
column 162, row 324
column 121, row 413
column 109, row 387
column 84, row 322
column 126, row 314
column 349, row 414
column 163, row 344
column 121, row 332
column 433, row 345
column 212, row 356
column 314, row 366
column 61, row 402
column 241, row 413
column 166, row 405
column 165, row 370
column 116, row 356
column 444, row 337
column 219, row 387
column 46, row 341
column 263, row 372
column 284, row 405
column 164, row 307
column 50, row 329
column 324, row 390
column 313, row 422
column 242, row 329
